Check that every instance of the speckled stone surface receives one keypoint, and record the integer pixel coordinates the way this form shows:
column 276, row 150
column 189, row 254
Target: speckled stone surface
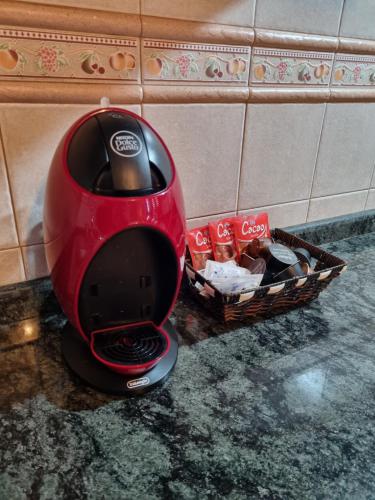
column 280, row 409
column 336, row 228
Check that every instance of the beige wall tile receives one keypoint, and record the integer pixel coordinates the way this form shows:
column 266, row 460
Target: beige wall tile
column 236, row 12
column 11, row 267
column 203, row 221
column 128, row 6
column 313, row 16
column 373, row 179
column 280, row 148
column 347, row 149
column 205, row 141
column 358, row 19
column 370, row 204
column 286, row 214
column 332, row 206
column 8, row 233
column 35, row 261
column 31, row 134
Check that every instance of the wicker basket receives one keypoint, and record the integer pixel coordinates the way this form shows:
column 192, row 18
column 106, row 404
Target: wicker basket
column 271, row 299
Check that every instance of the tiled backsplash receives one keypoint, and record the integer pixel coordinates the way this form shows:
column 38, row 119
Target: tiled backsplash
column 249, row 113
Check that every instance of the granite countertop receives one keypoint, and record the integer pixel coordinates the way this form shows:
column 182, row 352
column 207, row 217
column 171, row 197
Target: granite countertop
column 283, row 408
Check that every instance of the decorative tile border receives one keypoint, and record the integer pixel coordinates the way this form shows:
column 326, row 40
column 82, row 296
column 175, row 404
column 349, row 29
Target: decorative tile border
column 297, row 67
column 194, row 62
column 28, row 53
column 196, row 72
column 353, row 70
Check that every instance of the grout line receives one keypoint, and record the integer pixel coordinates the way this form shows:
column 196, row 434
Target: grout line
column 140, row 48
column 210, row 215
column 241, row 158
column 277, row 204
column 20, row 247
column 372, row 177
column 33, row 245
column 331, row 82
column 9, row 248
column 369, row 189
column 368, row 194
column 251, row 59
column 255, row 16
column 273, row 205
column 300, row 200
column 142, row 83
column 2, row 145
column 340, row 22
column 339, row 194
column 316, row 159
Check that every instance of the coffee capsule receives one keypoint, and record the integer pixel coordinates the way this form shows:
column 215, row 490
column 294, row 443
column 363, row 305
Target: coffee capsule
column 290, row 272
column 255, row 266
column 258, row 247
column 267, row 279
column 279, row 257
column 304, row 257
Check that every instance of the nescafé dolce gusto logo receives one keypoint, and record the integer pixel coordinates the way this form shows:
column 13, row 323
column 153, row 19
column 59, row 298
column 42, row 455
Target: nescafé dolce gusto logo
column 126, row 143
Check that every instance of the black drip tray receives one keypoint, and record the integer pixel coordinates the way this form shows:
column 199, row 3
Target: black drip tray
column 132, row 346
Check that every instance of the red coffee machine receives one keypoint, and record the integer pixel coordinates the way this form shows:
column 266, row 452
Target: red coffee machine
column 114, row 230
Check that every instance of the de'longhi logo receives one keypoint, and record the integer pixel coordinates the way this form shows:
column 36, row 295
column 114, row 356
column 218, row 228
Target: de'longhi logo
column 126, row 143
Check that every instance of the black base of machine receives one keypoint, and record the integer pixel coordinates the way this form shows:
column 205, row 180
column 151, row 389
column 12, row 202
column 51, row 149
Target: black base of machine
column 78, row 356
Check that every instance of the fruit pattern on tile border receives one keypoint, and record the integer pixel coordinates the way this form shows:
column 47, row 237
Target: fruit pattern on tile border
column 176, row 61
column 59, row 55
column 353, row 70
column 277, row 66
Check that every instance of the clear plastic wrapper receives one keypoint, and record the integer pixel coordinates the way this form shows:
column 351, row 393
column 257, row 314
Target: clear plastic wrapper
column 230, row 278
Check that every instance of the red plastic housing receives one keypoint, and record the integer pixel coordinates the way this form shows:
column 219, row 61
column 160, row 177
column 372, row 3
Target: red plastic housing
column 77, row 223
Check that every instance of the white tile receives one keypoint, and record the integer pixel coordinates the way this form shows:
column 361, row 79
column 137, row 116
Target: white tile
column 373, row 179
column 8, row 233
column 203, row 221
column 280, row 148
column 311, row 16
column 358, row 19
column 347, row 149
column 31, row 134
column 35, row 261
column 11, row 267
column 205, row 142
column 332, row 206
column 236, row 12
column 284, row 215
column 370, row 204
